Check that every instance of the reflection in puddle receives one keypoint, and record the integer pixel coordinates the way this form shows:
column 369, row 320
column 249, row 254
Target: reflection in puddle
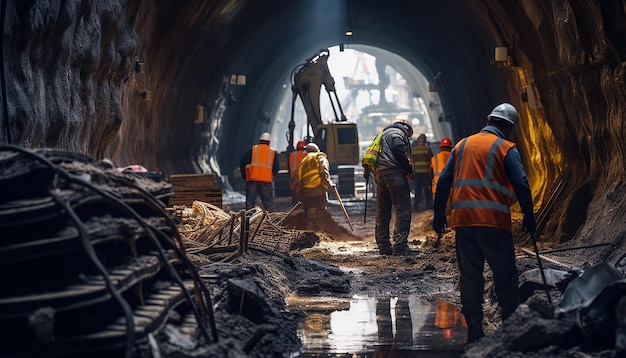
column 379, row 327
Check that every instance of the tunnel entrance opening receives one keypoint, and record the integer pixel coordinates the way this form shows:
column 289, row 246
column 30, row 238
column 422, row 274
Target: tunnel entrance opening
column 375, row 87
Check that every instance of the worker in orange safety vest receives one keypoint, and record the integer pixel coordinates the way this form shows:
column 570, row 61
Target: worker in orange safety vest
column 258, row 167
column 438, row 161
column 484, row 174
column 295, row 158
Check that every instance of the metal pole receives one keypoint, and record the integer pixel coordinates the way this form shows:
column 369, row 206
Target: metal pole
column 290, row 211
column 367, row 183
column 575, row 248
column 543, row 274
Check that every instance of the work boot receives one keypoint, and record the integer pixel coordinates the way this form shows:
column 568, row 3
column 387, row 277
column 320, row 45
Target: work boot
column 402, row 250
column 385, row 250
column 384, row 247
column 474, row 329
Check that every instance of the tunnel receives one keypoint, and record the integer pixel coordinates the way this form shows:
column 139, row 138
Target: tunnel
column 150, row 82
column 187, row 87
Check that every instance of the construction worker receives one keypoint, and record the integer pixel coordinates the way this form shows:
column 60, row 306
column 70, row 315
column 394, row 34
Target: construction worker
column 439, row 161
column 312, row 187
column 421, row 154
column 258, row 166
column 485, row 171
column 393, row 191
column 295, row 158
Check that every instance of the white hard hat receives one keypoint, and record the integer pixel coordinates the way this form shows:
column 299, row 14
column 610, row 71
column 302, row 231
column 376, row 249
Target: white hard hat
column 265, row 136
column 312, row 148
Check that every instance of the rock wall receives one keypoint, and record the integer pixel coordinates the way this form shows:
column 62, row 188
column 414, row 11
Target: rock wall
column 173, row 101
column 64, row 65
column 574, row 53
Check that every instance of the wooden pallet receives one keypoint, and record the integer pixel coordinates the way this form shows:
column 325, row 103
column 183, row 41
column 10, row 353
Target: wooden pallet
column 190, row 187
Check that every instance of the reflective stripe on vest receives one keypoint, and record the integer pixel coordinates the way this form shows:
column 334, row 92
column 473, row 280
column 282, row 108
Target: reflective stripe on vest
column 295, row 158
column 260, row 167
column 481, row 192
column 421, row 160
column 438, row 162
column 309, row 172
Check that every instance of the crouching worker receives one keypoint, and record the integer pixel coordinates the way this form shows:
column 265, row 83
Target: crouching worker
column 312, row 187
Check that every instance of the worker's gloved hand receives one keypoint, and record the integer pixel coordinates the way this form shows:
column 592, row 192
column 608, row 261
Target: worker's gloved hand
column 439, row 223
column 529, row 224
column 366, row 171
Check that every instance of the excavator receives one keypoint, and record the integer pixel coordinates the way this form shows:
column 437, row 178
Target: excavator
column 338, row 139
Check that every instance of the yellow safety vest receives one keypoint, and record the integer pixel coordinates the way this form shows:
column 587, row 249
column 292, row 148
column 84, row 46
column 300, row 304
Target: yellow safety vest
column 309, row 171
column 421, row 158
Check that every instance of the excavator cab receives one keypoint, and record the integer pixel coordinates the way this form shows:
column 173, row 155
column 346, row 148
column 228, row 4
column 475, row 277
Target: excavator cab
column 338, row 139
column 340, row 142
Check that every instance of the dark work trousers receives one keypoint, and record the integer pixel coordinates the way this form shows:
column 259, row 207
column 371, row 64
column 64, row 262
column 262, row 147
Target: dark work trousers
column 422, row 188
column 314, row 202
column 393, row 193
column 264, row 190
column 474, row 245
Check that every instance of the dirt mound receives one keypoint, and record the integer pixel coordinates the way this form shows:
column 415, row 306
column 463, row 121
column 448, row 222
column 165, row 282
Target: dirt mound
column 331, row 229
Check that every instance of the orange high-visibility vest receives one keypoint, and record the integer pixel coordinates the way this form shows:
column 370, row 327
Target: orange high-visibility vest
column 481, row 192
column 295, row 158
column 260, row 167
column 446, row 314
column 437, row 163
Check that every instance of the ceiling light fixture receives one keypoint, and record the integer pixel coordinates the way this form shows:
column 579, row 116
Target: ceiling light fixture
column 348, row 19
column 501, row 54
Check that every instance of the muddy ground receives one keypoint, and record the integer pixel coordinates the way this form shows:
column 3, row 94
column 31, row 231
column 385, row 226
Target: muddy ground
column 344, row 263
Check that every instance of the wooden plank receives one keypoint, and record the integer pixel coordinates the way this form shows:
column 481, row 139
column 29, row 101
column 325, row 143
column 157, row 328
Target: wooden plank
column 186, row 188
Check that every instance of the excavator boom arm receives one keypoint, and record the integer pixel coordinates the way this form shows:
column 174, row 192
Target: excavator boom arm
column 307, row 84
column 339, row 139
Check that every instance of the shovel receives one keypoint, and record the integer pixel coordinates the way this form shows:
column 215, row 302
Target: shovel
column 342, row 206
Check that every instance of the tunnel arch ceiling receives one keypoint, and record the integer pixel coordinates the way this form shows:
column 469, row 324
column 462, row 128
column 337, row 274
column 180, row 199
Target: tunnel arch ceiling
column 439, row 39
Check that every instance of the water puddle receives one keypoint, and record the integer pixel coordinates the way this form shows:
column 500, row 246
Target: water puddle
column 379, row 327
